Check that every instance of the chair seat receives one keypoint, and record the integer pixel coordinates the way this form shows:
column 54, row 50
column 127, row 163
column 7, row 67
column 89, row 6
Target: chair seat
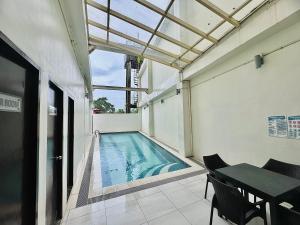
column 288, row 216
column 231, row 204
column 252, row 213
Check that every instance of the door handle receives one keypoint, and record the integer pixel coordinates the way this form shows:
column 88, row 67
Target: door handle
column 57, row 157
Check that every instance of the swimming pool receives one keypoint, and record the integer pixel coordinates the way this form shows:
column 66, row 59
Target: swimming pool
column 130, row 156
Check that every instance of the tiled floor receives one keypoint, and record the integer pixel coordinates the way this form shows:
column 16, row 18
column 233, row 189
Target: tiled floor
column 177, row 203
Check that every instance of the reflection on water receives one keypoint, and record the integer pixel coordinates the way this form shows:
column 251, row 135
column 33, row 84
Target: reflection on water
column 131, row 156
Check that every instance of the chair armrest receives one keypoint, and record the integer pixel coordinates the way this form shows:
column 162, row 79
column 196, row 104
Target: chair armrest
column 259, row 203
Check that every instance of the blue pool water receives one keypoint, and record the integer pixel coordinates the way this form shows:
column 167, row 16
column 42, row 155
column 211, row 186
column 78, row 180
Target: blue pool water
column 131, row 156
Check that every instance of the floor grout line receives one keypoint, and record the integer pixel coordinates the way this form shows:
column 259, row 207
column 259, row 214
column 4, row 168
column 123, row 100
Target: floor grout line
column 176, row 207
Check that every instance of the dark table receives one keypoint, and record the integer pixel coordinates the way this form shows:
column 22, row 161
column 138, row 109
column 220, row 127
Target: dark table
column 265, row 184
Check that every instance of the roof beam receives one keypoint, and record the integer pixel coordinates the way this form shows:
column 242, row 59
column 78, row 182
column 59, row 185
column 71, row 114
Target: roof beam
column 95, row 41
column 91, row 48
column 158, row 25
column 141, row 26
column 219, row 12
column 130, row 38
column 117, row 88
column 216, row 27
column 108, row 19
column 176, row 20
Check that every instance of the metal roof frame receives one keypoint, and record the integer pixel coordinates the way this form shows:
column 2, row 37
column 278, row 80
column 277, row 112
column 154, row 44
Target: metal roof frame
column 179, row 61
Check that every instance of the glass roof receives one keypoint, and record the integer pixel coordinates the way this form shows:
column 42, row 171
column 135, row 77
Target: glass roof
column 163, row 30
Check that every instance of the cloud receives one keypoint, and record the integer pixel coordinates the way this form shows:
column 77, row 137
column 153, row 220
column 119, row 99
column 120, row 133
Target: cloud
column 107, row 68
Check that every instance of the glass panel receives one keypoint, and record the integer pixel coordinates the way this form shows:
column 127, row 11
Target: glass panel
column 159, row 56
column 181, row 64
column 136, row 11
column 190, row 55
column 247, row 9
column 102, row 2
column 222, row 30
column 127, row 43
column 229, row 6
column 178, row 32
column 163, row 4
column 97, row 32
column 203, row 45
column 129, row 29
column 96, row 15
column 166, row 45
column 202, row 18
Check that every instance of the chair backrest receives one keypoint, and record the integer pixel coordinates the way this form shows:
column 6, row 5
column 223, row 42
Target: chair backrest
column 230, row 202
column 213, row 162
column 287, row 216
column 284, row 168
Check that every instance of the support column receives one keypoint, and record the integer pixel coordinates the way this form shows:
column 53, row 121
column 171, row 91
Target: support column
column 151, row 120
column 185, row 121
column 150, row 89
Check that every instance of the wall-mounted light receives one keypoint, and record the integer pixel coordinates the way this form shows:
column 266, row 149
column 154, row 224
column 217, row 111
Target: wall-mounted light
column 259, row 61
column 177, row 91
column 162, row 101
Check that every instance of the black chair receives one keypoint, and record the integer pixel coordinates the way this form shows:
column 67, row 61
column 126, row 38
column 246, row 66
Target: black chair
column 231, row 204
column 212, row 162
column 284, row 168
column 290, row 170
column 288, row 216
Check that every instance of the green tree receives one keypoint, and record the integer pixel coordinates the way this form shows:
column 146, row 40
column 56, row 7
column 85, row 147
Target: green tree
column 120, row 111
column 103, row 105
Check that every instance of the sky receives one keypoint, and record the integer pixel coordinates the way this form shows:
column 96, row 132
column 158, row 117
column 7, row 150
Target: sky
column 108, row 69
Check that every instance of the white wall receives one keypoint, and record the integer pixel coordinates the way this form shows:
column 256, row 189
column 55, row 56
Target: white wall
column 229, row 112
column 145, row 119
column 38, row 29
column 166, row 119
column 116, row 122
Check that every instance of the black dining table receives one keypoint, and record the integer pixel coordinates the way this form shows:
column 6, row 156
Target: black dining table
column 267, row 185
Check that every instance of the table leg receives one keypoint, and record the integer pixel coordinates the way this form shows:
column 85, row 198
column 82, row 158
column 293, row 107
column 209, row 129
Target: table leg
column 273, row 212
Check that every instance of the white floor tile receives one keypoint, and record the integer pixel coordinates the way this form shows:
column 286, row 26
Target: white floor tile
column 182, row 197
column 123, row 200
column 173, row 186
column 96, row 218
column 88, row 209
column 131, row 215
column 173, row 218
column 155, row 205
column 199, row 213
column 146, row 192
column 122, row 208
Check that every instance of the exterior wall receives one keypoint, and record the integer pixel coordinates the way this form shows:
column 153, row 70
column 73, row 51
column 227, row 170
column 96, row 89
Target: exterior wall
column 145, row 119
column 166, row 120
column 116, row 122
column 39, row 30
column 238, row 94
column 230, row 109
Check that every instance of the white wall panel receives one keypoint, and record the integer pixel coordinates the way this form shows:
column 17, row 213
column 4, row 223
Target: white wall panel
column 116, row 122
column 145, row 120
column 229, row 112
column 166, row 122
column 39, row 30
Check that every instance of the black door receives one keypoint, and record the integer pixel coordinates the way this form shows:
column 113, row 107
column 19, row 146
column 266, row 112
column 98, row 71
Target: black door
column 70, row 145
column 54, row 155
column 18, row 136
